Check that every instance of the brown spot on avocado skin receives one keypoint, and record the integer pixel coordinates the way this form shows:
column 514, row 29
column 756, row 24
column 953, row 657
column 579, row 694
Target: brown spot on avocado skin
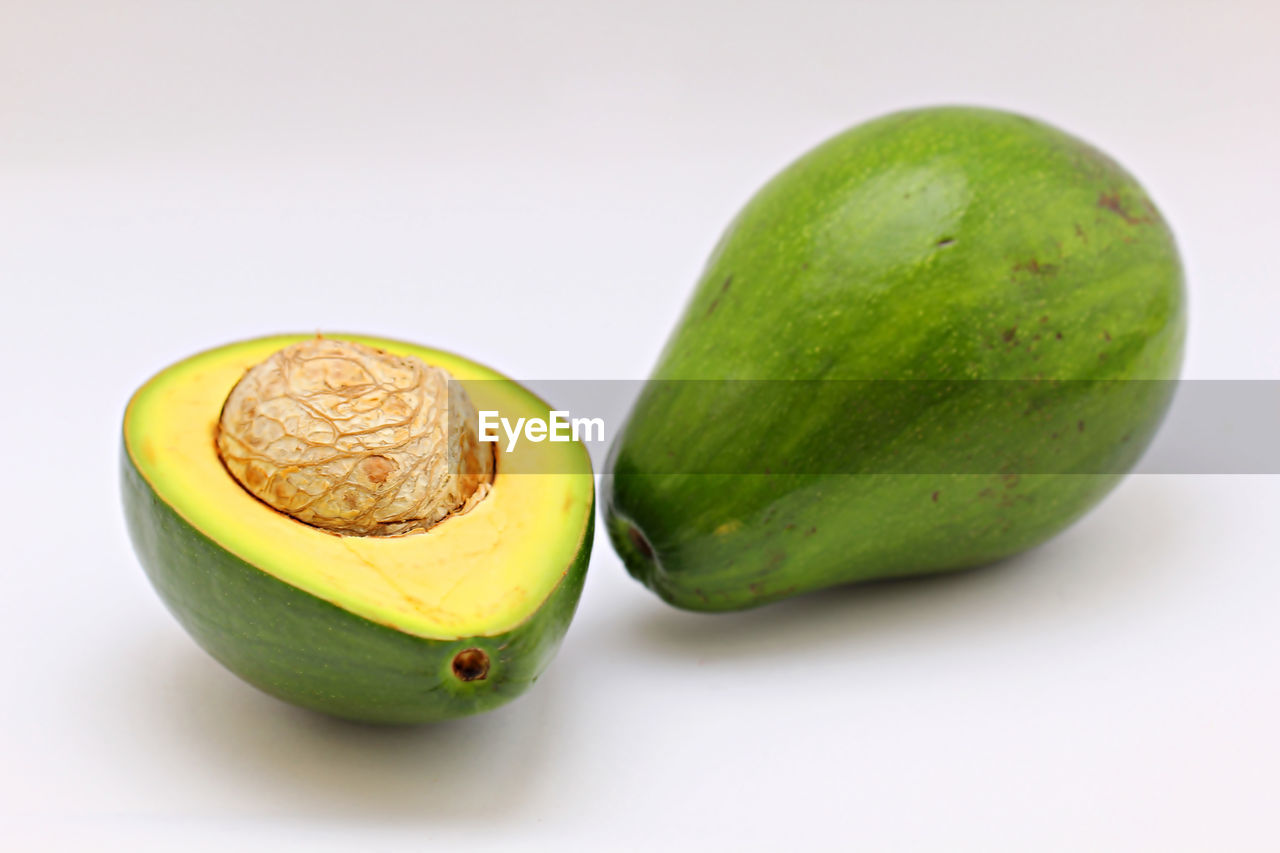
column 935, row 497
column 724, row 288
column 1111, row 202
column 1009, row 334
column 1034, row 267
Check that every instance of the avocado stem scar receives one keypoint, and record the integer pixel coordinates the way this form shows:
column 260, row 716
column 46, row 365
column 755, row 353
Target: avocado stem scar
column 638, row 540
column 471, row 665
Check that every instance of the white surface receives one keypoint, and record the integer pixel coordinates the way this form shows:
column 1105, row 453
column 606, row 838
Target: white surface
column 537, row 185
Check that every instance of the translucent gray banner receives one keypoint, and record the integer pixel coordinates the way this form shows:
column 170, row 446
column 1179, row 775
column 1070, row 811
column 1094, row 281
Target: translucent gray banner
column 904, row 426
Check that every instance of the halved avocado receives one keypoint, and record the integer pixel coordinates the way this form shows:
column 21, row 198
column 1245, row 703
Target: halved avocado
column 450, row 621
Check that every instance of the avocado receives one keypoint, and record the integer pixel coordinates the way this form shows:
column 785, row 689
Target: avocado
column 344, row 552
column 915, row 350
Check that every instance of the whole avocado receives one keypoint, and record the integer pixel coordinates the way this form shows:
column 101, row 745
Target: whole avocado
column 914, row 351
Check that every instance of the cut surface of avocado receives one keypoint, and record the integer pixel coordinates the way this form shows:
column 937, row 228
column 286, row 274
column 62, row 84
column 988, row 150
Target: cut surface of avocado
column 484, row 572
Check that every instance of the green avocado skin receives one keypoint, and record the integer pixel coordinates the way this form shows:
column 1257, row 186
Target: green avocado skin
column 312, row 653
column 945, row 244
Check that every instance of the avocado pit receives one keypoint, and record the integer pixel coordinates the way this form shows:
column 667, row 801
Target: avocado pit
column 354, row 440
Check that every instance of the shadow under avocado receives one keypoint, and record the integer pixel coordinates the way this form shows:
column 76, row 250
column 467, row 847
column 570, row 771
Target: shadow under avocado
column 295, row 762
column 1113, row 562
column 813, row 620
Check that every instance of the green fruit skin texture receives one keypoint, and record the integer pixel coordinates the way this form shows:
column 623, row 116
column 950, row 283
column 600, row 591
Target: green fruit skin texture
column 947, row 243
column 312, row 653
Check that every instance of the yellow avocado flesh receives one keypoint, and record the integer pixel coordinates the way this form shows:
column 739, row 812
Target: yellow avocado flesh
column 478, row 574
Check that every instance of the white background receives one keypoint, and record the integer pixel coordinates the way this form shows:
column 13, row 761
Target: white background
column 536, row 185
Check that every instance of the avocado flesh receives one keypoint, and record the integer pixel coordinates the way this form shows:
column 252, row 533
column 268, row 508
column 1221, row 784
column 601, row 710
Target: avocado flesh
column 360, row 627
column 943, row 244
